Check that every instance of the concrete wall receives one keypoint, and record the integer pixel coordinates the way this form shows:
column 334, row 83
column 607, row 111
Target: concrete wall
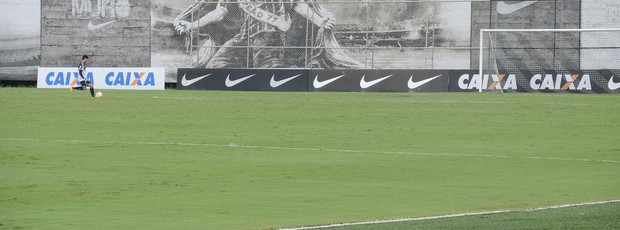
column 115, row 33
column 600, row 14
column 20, row 40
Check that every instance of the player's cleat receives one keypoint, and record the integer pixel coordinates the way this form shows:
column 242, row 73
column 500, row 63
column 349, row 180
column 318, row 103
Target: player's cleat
column 70, row 89
column 93, row 98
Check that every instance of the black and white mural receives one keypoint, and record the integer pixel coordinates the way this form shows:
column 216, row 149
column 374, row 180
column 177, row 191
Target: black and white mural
column 310, row 34
column 114, row 33
column 317, row 34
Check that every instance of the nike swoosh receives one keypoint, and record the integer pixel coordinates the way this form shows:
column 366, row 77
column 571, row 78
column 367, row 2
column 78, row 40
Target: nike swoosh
column 98, row 26
column 276, row 84
column 185, row 82
column 505, row 8
column 230, row 83
column 319, row 84
column 613, row 85
column 366, row 84
column 414, row 85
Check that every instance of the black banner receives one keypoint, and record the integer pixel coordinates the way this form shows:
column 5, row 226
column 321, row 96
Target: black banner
column 464, row 81
column 243, row 79
column 337, row 80
column 612, row 78
column 579, row 81
column 313, row 80
column 550, row 81
column 379, row 80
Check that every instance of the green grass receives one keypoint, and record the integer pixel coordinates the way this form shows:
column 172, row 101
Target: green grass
column 415, row 155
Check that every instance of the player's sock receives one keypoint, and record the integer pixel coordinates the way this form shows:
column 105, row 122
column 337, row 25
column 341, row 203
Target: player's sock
column 92, row 91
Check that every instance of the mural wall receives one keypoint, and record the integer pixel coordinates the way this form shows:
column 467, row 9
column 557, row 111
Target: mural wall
column 343, row 34
column 115, row 33
column 311, row 34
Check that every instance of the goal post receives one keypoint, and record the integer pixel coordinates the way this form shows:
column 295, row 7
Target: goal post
column 508, row 58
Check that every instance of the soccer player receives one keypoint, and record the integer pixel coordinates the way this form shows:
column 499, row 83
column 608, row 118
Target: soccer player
column 83, row 83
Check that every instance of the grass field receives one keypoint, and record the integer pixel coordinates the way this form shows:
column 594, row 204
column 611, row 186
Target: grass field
column 250, row 160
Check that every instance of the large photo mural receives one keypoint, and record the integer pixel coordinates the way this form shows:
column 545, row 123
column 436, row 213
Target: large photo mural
column 115, row 33
column 317, row 34
column 310, row 34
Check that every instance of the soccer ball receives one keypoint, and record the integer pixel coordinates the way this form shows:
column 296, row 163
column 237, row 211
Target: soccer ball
column 98, row 95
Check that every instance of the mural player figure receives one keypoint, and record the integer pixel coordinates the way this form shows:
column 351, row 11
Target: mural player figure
column 263, row 33
column 82, row 81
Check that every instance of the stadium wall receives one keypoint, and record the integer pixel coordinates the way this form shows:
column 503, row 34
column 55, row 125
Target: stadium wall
column 20, row 39
column 423, row 35
column 116, row 34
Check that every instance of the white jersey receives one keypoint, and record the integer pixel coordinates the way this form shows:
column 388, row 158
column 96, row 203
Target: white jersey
column 82, row 71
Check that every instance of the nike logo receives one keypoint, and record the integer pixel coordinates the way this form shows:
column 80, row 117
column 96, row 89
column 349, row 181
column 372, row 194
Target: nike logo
column 185, row 82
column 230, row 83
column 276, row 84
column 91, row 26
column 613, row 85
column 366, row 84
column 505, row 8
column 414, row 85
column 319, row 84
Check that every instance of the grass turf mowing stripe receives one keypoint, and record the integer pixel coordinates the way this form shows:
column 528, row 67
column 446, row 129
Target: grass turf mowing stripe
column 233, row 145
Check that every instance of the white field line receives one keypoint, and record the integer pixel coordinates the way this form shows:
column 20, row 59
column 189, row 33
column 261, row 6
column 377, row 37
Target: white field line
column 449, row 216
column 232, row 145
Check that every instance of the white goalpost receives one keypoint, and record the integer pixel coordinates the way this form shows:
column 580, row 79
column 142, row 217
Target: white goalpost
column 508, row 57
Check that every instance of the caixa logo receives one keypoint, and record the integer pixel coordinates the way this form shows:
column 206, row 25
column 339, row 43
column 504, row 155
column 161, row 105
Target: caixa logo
column 65, row 78
column 130, row 79
column 489, row 81
column 564, row 82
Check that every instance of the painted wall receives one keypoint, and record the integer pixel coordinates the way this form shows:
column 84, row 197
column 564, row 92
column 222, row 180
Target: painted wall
column 379, row 35
column 115, row 33
column 20, row 40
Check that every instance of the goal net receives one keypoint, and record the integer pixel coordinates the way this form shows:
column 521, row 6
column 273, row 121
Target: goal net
column 544, row 59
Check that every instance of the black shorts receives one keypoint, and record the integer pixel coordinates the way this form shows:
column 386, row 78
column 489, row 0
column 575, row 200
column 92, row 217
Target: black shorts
column 84, row 83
